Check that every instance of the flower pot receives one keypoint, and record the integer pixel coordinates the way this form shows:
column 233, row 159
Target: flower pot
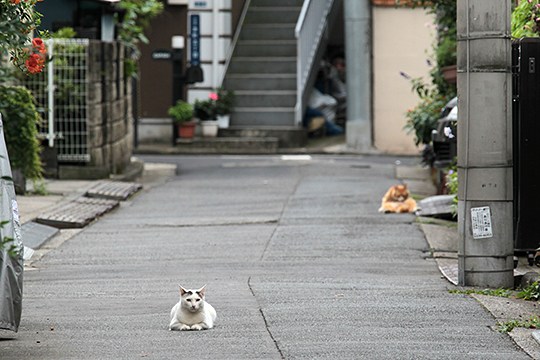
column 450, row 73
column 209, row 128
column 224, row 121
column 186, row 130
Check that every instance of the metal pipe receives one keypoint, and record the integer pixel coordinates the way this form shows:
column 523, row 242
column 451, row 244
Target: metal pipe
column 358, row 54
column 50, row 95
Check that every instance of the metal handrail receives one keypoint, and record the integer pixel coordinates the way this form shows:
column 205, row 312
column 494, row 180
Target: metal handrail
column 235, row 39
column 309, row 31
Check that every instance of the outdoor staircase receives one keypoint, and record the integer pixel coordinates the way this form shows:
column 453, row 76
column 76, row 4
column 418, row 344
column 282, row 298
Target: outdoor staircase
column 262, row 71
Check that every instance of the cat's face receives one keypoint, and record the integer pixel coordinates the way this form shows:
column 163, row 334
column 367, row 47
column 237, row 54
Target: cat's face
column 399, row 193
column 192, row 300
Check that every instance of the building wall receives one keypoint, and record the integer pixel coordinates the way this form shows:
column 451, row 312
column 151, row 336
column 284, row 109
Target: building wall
column 215, row 41
column 154, row 125
column 402, row 39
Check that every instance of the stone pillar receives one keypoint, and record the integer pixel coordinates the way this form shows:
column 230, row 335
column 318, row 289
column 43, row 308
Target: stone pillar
column 485, row 225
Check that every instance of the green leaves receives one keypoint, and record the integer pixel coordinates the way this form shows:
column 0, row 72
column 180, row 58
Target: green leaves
column 531, row 292
column 525, row 19
column 16, row 22
column 136, row 18
column 181, row 111
column 490, row 292
column 423, row 118
column 7, row 243
column 20, row 119
column 506, row 327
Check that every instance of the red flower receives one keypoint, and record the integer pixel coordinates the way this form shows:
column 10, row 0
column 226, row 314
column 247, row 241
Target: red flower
column 15, row 1
column 39, row 45
column 35, row 63
column 213, row 96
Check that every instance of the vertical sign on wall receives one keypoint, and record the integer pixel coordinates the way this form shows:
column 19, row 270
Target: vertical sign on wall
column 195, row 40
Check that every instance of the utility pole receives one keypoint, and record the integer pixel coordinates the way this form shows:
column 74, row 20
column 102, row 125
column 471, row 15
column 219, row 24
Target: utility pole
column 357, row 14
column 485, row 225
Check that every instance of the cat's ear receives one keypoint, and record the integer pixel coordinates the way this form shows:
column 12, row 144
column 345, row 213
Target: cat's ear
column 202, row 291
column 182, row 291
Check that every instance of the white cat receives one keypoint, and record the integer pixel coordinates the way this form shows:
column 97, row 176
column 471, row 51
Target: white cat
column 192, row 312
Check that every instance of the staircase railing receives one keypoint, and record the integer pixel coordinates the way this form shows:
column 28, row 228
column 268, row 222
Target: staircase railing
column 235, row 38
column 310, row 30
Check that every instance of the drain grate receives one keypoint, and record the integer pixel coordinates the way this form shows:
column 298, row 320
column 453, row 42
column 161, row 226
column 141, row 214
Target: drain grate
column 116, row 190
column 76, row 213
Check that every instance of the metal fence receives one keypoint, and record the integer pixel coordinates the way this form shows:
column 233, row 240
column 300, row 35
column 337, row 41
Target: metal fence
column 61, row 94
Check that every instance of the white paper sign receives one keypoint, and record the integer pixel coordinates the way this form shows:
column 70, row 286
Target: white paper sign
column 481, row 222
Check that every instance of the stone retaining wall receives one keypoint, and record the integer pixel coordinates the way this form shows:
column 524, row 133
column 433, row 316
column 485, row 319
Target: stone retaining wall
column 109, row 115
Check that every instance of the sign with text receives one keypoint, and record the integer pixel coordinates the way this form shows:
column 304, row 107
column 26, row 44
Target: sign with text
column 200, row 4
column 195, row 39
column 161, row 55
column 481, row 222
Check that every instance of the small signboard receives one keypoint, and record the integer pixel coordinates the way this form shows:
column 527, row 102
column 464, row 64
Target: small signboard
column 161, row 55
column 481, row 222
column 195, row 39
column 200, row 4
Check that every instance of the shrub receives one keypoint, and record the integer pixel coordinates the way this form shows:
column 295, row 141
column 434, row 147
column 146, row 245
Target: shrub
column 20, row 119
column 181, row 112
column 526, row 19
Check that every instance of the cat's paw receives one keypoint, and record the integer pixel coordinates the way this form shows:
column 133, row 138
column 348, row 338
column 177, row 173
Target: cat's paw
column 197, row 327
column 184, row 327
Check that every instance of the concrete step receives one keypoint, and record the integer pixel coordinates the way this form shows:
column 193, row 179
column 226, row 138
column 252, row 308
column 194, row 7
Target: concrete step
column 254, row 116
column 229, row 145
column 272, row 15
column 289, row 136
column 268, row 32
column 238, row 82
column 263, row 65
column 269, row 48
column 266, row 98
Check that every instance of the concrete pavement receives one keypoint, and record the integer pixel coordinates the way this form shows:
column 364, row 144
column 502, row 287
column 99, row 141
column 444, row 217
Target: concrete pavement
column 298, row 262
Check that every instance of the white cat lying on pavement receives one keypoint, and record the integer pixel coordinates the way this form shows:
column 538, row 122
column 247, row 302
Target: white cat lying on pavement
column 192, row 312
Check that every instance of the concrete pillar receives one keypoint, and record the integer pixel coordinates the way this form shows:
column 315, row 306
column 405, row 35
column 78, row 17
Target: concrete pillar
column 357, row 14
column 485, row 225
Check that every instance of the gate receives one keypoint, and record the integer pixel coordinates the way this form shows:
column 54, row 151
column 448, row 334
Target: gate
column 61, row 94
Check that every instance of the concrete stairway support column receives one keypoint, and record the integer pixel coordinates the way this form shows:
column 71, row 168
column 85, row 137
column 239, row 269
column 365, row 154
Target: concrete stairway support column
column 357, row 14
column 485, row 143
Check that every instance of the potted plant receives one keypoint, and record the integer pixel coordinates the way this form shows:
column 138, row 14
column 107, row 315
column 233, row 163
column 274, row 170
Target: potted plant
column 225, row 104
column 207, row 112
column 182, row 114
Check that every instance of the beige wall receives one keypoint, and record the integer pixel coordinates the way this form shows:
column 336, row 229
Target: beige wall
column 402, row 38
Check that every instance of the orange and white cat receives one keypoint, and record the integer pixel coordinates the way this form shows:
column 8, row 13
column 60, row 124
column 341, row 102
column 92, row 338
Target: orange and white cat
column 397, row 200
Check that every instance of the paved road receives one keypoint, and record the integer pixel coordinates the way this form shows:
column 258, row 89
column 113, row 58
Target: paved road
column 298, row 263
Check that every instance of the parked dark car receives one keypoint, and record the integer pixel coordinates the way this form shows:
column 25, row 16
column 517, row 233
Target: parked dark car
column 444, row 138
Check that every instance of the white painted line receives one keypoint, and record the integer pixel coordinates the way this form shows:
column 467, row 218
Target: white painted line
column 296, row 157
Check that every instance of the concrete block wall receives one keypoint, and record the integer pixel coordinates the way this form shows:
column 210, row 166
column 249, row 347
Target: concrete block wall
column 109, row 112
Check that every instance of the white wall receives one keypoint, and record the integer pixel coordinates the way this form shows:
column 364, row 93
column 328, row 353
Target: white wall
column 402, row 41
column 215, row 28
